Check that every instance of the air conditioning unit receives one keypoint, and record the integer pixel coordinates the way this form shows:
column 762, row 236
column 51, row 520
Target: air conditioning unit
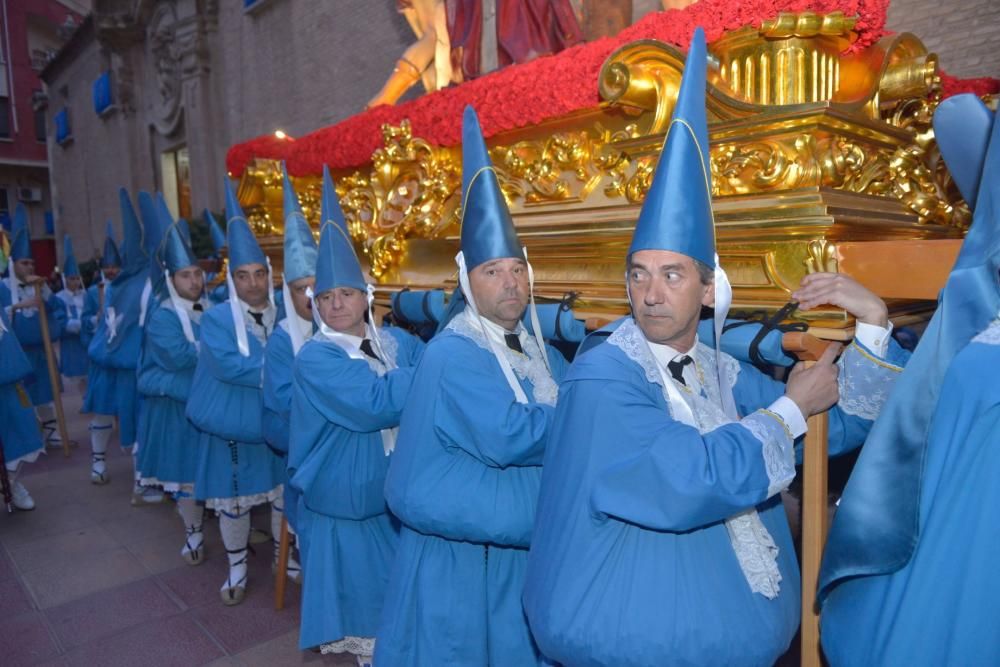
column 29, row 194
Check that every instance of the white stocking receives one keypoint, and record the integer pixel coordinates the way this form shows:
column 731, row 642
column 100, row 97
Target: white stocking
column 100, row 434
column 47, row 415
column 191, row 513
column 235, row 531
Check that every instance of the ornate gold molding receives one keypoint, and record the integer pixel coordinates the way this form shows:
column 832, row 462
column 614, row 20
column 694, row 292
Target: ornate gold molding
column 412, row 190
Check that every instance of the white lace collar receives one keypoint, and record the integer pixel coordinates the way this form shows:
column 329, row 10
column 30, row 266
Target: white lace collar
column 259, row 332
column 990, row 335
column 529, row 366
column 753, row 545
column 498, row 334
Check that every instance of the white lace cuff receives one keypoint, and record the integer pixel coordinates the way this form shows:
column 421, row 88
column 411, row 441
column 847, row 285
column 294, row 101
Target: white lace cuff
column 864, row 382
column 777, row 448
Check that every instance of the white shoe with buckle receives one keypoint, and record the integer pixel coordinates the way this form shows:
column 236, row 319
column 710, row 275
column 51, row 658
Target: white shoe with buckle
column 20, row 498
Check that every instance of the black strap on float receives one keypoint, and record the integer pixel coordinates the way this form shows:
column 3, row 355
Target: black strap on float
column 768, row 324
column 565, row 306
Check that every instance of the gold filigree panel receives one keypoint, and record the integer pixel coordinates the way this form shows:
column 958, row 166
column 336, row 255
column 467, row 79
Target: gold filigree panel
column 411, row 191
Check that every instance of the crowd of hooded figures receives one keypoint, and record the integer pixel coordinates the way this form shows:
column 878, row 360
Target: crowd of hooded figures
column 474, row 499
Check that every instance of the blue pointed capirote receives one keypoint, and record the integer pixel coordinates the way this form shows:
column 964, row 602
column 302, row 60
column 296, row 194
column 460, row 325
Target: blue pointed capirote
column 677, row 213
column 133, row 252
column 487, row 229
column 300, row 246
column 877, row 524
column 215, row 233
column 177, row 254
column 243, row 246
column 70, row 267
column 110, row 255
column 154, row 226
column 20, row 235
column 337, row 263
column 962, row 125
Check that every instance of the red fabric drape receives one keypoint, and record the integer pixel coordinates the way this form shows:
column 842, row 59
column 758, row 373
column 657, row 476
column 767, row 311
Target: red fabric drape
column 526, row 29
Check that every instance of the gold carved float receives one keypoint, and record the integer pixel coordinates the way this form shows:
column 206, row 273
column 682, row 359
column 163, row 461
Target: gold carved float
column 819, row 158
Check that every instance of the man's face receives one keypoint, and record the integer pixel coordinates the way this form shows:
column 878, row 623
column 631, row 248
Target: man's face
column 343, row 309
column 111, row 272
column 500, row 288
column 189, row 282
column 667, row 295
column 303, row 307
column 251, row 284
column 24, row 268
column 74, row 283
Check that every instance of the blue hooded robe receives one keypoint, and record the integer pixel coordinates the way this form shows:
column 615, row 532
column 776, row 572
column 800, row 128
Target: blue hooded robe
column 226, row 405
column 464, row 482
column 632, row 562
column 338, row 462
column 26, row 326
column 22, row 440
column 940, row 608
column 168, row 452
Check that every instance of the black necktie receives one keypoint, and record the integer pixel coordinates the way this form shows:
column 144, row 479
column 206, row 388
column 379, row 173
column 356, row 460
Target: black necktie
column 257, row 317
column 676, row 367
column 366, row 347
column 200, row 308
column 23, row 285
column 513, row 342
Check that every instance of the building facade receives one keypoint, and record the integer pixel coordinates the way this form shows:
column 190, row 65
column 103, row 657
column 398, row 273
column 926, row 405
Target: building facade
column 31, row 34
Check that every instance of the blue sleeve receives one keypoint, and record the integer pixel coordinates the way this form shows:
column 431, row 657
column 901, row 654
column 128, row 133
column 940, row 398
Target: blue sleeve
column 278, row 361
column 56, row 311
column 680, row 479
column 166, row 345
column 480, row 415
column 88, row 319
column 370, row 404
column 864, row 382
column 411, row 349
column 221, row 354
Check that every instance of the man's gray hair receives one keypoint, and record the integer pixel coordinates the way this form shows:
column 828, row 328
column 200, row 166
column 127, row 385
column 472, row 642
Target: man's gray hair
column 705, row 272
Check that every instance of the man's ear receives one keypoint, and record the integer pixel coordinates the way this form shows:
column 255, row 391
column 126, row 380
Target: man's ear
column 708, row 297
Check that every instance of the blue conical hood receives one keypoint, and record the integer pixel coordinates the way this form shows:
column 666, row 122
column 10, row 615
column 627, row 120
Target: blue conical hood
column 487, row 229
column 133, row 251
column 110, row 256
column 337, row 264
column 677, row 213
column 70, row 267
column 162, row 208
column 177, row 254
column 215, row 233
column 20, row 235
column 154, row 227
column 878, row 522
column 300, row 246
column 962, row 126
column 243, row 246
column 185, row 229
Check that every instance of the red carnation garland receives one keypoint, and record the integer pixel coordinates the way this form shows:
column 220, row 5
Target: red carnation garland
column 979, row 87
column 547, row 87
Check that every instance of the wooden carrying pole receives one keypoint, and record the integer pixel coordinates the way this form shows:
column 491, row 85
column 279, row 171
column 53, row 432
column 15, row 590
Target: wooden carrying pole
column 282, row 574
column 814, row 503
column 50, row 360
